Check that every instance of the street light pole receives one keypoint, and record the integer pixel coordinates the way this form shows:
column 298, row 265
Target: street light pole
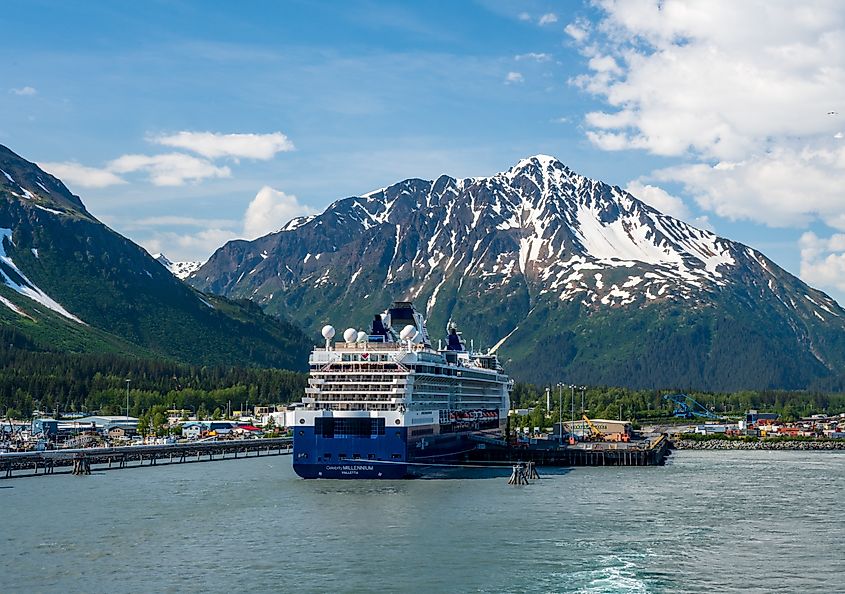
column 127, row 398
column 560, row 413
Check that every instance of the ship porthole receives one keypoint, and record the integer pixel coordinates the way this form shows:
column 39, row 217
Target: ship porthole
column 398, row 422
column 301, row 421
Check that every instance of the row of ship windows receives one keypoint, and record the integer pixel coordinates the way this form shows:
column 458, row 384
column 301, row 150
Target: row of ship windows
column 356, row 406
column 365, row 357
column 369, row 377
column 357, row 366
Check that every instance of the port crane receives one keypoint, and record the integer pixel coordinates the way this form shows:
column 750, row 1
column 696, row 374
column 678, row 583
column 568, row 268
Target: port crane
column 686, row 407
column 595, row 433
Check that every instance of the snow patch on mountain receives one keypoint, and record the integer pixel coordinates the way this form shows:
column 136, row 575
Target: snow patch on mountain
column 14, row 307
column 180, row 270
column 15, row 279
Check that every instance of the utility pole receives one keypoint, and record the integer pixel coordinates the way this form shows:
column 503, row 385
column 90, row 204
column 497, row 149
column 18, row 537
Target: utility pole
column 127, row 398
column 573, row 405
column 583, row 392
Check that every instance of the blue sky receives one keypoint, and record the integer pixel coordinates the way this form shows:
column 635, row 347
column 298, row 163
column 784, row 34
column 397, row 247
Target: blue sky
column 185, row 124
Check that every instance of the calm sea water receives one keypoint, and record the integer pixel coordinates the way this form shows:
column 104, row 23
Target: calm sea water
column 708, row 521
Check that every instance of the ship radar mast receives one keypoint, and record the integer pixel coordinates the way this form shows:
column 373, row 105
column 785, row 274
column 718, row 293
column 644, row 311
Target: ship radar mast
column 453, row 340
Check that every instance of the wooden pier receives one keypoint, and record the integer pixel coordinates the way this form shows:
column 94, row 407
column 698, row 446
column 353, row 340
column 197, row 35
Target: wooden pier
column 84, row 461
column 650, row 451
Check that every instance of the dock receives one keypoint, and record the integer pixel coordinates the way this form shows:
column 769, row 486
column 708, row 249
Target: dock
column 647, row 451
column 85, row 460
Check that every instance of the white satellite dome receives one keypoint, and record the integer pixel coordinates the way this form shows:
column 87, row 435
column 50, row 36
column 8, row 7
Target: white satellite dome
column 408, row 332
column 350, row 334
column 362, row 336
column 327, row 332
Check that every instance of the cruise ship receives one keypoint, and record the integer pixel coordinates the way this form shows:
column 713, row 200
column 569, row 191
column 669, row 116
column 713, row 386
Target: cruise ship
column 385, row 404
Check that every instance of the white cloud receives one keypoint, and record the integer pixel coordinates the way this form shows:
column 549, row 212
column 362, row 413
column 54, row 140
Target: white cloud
column 741, row 92
column 578, row 31
column 24, row 91
column 823, row 260
column 537, row 57
column 784, row 187
column 215, row 145
column 514, row 78
column 82, row 176
column 547, row 19
column 270, row 210
column 523, row 16
column 188, row 247
column 266, row 213
column 659, row 198
column 170, row 169
column 716, row 78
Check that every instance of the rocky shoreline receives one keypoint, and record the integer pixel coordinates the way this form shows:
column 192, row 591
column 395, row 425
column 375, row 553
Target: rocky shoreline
column 729, row 444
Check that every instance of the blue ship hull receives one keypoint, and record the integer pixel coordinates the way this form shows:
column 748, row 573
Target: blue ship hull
column 399, row 453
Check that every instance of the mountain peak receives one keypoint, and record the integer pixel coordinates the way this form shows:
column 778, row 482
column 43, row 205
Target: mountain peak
column 544, row 162
column 548, row 264
column 35, row 187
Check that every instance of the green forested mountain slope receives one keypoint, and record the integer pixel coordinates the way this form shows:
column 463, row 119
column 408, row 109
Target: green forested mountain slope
column 70, row 283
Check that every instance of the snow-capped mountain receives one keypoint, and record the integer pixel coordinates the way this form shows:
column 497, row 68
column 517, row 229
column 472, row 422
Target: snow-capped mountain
column 68, row 282
column 566, row 276
column 180, row 270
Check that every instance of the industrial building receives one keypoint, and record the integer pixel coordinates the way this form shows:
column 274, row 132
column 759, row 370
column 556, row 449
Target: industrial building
column 581, row 427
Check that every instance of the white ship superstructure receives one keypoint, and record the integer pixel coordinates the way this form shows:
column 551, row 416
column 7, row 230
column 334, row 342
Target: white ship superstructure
column 385, row 403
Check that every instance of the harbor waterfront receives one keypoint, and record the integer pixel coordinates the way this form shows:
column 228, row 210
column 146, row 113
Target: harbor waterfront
column 764, row 444
column 728, row 521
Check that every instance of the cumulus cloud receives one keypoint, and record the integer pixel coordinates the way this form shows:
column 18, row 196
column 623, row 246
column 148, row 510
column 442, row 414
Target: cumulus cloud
column 514, row 78
column 547, row 19
column 714, row 78
column 214, row 145
column 266, row 213
column 176, row 168
column 74, row 174
column 823, row 260
column 659, row 198
column 743, row 94
column 24, row 91
column 524, row 16
column 578, row 31
column 785, row 187
column 188, row 247
column 270, row 210
column 169, row 169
